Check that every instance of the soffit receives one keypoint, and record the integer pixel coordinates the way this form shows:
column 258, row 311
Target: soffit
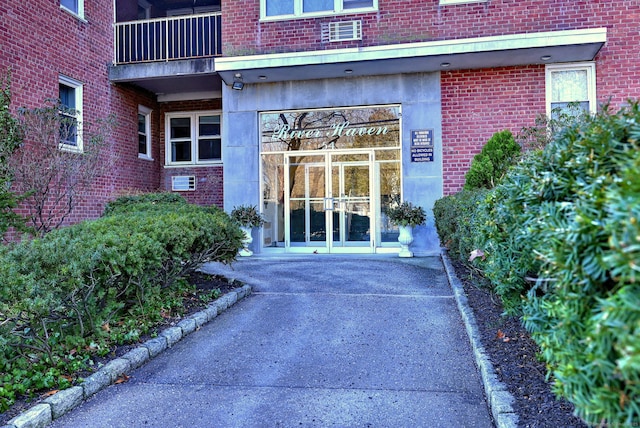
column 472, row 53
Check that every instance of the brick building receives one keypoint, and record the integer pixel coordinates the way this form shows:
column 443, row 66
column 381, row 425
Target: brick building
column 320, row 112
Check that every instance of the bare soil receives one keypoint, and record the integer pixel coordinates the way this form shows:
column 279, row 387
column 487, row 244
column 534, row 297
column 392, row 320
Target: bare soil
column 515, row 358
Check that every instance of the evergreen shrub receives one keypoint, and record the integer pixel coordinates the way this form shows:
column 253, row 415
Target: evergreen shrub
column 587, row 322
column 488, row 166
column 456, row 219
column 65, row 293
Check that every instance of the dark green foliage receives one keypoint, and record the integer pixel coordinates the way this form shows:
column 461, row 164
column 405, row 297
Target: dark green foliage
column 588, row 321
column 138, row 202
column 456, row 218
column 568, row 215
column 508, row 231
column 488, row 166
column 62, row 296
column 10, row 140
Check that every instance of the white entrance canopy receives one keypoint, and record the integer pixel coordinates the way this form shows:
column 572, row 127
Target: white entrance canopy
column 471, row 53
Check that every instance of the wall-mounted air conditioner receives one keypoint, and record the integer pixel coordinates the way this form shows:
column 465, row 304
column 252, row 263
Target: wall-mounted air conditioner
column 341, row 31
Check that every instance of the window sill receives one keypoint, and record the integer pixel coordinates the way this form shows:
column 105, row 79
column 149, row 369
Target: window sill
column 193, row 165
column 448, row 2
column 319, row 15
column 75, row 15
column 70, row 148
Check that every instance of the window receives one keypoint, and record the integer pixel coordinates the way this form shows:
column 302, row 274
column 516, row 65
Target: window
column 144, row 132
column 76, row 7
column 193, row 138
column 295, row 8
column 70, row 113
column 571, row 83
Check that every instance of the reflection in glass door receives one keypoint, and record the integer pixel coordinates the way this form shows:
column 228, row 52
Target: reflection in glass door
column 350, row 193
column 306, row 217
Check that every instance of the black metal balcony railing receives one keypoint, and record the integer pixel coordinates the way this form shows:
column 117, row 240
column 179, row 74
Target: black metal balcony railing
column 166, row 39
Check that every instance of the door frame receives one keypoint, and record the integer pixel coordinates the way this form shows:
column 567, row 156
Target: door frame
column 328, row 245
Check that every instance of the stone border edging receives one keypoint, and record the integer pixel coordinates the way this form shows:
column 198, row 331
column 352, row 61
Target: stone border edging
column 500, row 399
column 53, row 407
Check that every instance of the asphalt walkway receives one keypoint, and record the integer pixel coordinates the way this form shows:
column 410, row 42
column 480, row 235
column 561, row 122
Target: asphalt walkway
column 349, row 341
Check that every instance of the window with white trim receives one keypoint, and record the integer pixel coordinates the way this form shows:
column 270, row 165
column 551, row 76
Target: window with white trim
column 573, row 83
column 304, row 8
column 193, row 138
column 76, row 7
column 70, row 94
column 144, row 132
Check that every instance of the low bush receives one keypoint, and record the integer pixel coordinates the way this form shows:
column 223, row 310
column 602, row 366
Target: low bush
column 456, row 218
column 65, row 296
column 488, row 166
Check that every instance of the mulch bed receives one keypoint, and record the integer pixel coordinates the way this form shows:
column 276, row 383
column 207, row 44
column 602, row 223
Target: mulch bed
column 514, row 357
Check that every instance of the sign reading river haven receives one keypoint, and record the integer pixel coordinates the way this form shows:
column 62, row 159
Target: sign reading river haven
column 331, row 129
column 422, row 145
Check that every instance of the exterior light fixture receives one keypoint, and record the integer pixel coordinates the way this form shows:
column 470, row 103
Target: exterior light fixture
column 238, row 84
column 262, row 77
column 348, row 71
column 445, row 64
column 545, row 57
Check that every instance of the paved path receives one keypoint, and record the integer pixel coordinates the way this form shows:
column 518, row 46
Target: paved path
column 322, row 341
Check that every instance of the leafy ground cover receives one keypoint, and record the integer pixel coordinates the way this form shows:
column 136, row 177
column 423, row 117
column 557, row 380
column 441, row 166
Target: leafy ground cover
column 206, row 289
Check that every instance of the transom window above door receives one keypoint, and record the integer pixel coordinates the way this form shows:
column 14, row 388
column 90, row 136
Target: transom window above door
column 193, row 138
column 279, row 9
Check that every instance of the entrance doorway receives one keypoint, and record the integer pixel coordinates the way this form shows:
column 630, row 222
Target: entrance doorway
column 329, row 204
column 327, row 178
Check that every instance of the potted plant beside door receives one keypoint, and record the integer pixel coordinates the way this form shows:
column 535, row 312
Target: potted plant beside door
column 406, row 216
column 247, row 217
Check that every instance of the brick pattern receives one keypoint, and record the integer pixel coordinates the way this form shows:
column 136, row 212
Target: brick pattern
column 38, row 47
column 478, row 103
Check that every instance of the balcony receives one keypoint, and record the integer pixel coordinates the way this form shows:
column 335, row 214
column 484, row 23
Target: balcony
column 168, row 39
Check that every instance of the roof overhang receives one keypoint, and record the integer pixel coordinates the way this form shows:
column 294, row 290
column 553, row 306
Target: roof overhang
column 172, row 80
column 472, row 53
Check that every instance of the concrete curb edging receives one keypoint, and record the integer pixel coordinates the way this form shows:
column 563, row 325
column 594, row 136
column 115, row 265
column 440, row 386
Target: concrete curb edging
column 55, row 406
column 499, row 398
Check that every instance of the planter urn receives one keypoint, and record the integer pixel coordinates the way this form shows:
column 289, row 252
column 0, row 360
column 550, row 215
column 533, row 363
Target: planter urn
column 405, row 239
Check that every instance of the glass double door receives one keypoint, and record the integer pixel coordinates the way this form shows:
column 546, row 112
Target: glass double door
column 330, row 206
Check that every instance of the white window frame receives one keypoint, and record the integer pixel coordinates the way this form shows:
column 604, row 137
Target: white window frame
column 589, row 67
column 78, row 13
column 338, row 9
column 77, row 88
column 446, row 2
column 193, row 116
column 146, row 112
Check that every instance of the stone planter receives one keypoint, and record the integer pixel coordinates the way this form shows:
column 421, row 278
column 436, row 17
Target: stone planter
column 248, row 239
column 405, row 239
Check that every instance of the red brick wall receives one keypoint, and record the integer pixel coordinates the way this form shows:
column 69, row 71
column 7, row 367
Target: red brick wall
column 402, row 21
column 208, row 178
column 478, row 103
column 39, row 42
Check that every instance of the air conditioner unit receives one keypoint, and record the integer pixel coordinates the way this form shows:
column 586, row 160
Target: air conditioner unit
column 183, row 183
column 341, row 31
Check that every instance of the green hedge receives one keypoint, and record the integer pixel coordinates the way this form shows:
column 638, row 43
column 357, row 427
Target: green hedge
column 587, row 321
column 62, row 294
column 456, row 219
column 569, row 215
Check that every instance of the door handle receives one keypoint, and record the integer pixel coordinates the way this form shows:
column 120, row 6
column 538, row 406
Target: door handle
column 329, row 204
